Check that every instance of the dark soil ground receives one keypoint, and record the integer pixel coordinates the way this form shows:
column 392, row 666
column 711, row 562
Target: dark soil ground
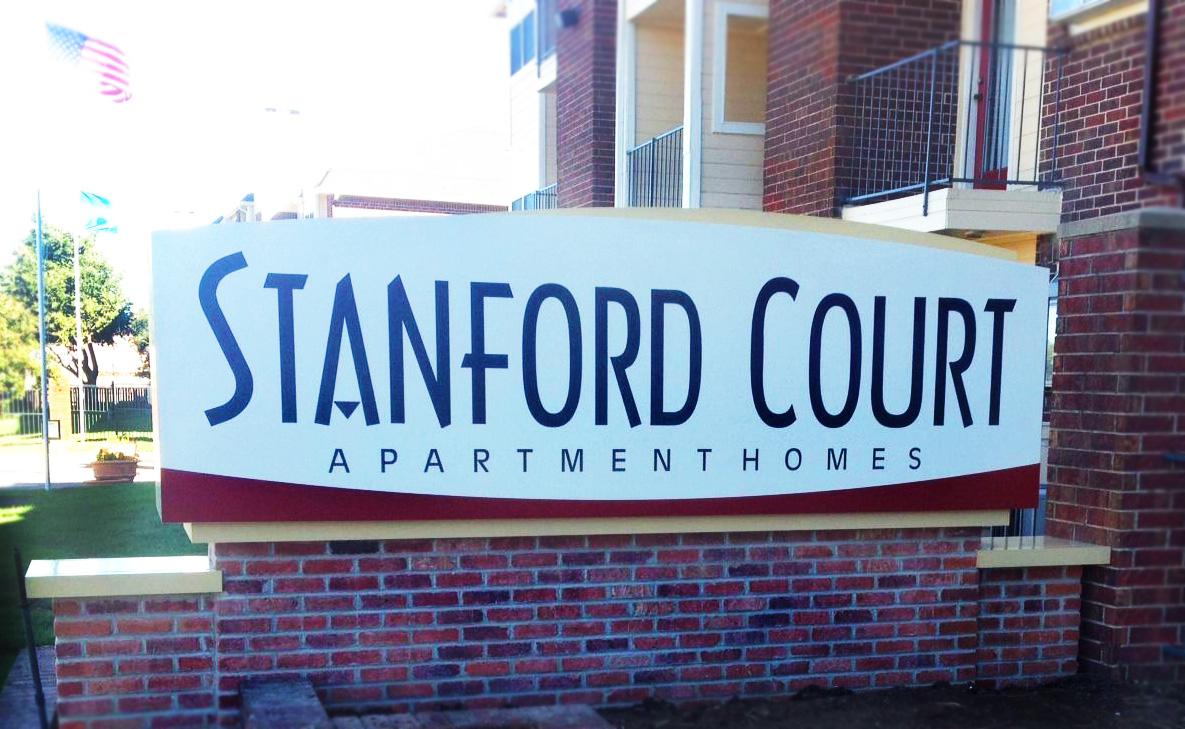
column 1075, row 702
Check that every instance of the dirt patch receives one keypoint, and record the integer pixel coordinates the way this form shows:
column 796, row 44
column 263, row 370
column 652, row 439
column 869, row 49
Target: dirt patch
column 1075, row 702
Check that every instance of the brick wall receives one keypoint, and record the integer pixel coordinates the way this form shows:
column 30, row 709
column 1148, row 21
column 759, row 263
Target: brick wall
column 147, row 660
column 406, row 625
column 586, row 89
column 1101, row 99
column 1028, row 624
column 815, row 45
column 1118, row 406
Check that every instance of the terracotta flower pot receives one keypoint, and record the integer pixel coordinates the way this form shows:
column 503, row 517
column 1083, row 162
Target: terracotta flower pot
column 114, row 471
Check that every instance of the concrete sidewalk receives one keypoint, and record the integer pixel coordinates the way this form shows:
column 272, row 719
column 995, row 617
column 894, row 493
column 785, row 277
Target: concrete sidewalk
column 23, row 466
column 18, row 707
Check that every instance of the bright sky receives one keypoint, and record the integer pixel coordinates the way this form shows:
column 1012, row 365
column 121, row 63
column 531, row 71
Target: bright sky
column 407, row 87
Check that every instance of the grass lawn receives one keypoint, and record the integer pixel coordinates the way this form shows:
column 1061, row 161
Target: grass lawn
column 117, row 520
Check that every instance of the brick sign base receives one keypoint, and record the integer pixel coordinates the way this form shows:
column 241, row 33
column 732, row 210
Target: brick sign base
column 428, row 624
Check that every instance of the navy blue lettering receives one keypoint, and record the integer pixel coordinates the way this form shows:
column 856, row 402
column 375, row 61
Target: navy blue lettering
column 945, row 308
column 815, row 374
column 344, row 321
column 878, row 459
column 285, row 284
column 746, row 460
column 621, row 362
column 778, row 285
column 659, row 298
column 208, row 296
column 997, row 307
column 384, row 455
column 575, row 352
column 478, row 359
column 618, row 460
column 664, row 459
column 837, row 462
column 433, row 461
column 797, row 463
column 569, row 462
column 401, row 319
column 910, row 414
column 480, row 457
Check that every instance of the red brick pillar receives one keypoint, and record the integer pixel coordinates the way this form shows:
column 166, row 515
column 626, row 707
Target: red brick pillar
column 1118, row 408
column 586, row 91
column 59, row 405
column 814, row 47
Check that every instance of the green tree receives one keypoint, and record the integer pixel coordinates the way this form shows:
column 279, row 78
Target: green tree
column 140, row 331
column 106, row 311
column 18, row 344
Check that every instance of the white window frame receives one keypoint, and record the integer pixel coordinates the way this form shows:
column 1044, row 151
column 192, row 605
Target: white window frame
column 720, row 66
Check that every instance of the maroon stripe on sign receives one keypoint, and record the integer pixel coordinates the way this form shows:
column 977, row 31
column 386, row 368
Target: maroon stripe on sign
column 199, row 497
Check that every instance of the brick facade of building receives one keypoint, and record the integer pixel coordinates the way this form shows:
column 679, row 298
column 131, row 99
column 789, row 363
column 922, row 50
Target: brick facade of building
column 1101, row 98
column 1117, row 411
column 586, row 91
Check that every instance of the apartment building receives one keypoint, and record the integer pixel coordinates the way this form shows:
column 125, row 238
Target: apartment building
column 1052, row 128
column 352, row 193
column 532, row 165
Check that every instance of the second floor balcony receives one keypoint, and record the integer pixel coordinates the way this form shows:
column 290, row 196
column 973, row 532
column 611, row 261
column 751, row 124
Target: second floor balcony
column 654, row 171
column 961, row 137
column 542, row 199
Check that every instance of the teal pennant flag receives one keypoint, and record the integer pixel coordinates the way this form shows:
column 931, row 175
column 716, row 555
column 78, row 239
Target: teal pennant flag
column 100, row 213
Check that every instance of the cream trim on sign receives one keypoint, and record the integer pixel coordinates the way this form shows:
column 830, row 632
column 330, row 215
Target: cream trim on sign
column 1004, row 552
column 318, row 531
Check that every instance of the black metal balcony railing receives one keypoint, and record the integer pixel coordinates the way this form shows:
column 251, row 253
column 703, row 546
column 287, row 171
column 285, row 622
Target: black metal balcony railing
column 542, row 199
column 1024, row 522
column 546, row 32
column 655, row 171
column 966, row 112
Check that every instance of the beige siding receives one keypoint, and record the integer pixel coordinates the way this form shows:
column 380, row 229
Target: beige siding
column 1023, row 244
column 549, row 142
column 1026, row 116
column 731, row 164
column 1025, row 121
column 525, row 137
column 659, row 80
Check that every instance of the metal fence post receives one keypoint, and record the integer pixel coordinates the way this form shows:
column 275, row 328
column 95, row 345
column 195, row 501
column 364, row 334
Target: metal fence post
column 929, row 131
column 34, row 668
column 1057, row 114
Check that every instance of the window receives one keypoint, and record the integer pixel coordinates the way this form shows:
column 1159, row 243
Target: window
column 741, row 47
column 516, row 45
column 522, row 43
column 529, row 38
column 546, row 29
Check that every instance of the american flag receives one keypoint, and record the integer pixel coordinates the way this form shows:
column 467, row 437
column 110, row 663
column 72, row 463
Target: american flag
column 91, row 54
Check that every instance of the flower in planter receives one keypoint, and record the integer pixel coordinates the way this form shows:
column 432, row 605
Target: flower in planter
column 107, row 455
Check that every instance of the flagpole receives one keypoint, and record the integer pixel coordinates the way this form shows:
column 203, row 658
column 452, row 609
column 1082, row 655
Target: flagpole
column 78, row 342
column 41, row 322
